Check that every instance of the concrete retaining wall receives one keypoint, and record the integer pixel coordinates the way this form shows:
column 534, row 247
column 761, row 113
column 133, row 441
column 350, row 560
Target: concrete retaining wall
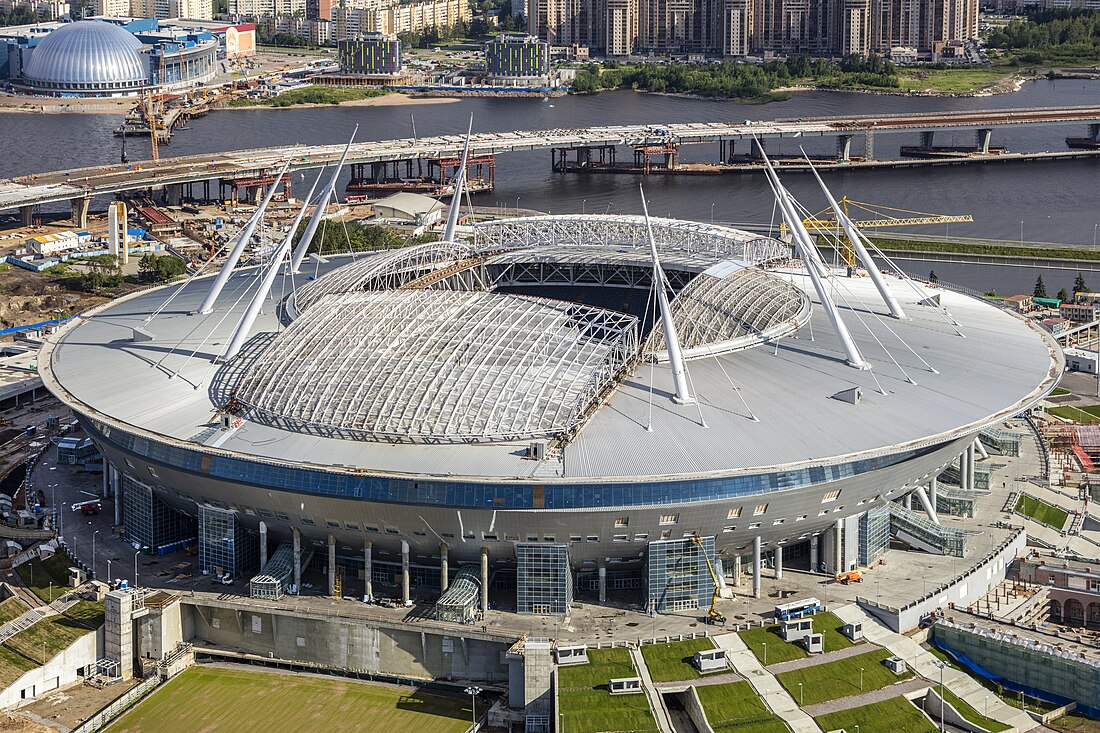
column 931, row 705
column 695, row 711
column 63, row 670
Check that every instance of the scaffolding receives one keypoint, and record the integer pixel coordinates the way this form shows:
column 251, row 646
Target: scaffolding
column 544, row 581
column 677, row 574
column 459, row 603
column 276, row 577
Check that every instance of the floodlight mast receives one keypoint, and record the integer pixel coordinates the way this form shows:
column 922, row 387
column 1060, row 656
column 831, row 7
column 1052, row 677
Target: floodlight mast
column 238, row 249
column 683, row 394
column 856, row 238
column 245, row 325
column 460, row 182
column 319, row 212
column 806, row 249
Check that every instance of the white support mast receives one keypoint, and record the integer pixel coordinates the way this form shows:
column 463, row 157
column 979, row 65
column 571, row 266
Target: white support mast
column 683, row 394
column 460, row 183
column 238, row 249
column 277, row 257
column 806, row 249
column 856, row 238
column 319, row 212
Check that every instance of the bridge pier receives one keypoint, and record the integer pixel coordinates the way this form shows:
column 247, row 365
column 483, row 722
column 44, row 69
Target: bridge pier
column 80, row 211
column 758, row 148
column 725, row 150
column 1089, row 142
column 869, row 145
column 926, row 139
column 27, row 215
column 984, row 134
column 844, row 148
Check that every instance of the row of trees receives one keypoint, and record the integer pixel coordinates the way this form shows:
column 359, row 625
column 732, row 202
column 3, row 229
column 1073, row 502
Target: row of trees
column 1079, row 286
column 1051, row 35
column 736, row 80
column 19, row 16
column 337, row 237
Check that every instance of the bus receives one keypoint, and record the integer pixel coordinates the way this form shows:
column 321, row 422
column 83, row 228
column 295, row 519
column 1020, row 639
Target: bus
column 797, row 609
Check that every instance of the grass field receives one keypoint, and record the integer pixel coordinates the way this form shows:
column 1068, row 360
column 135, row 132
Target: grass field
column 780, row 651
column 89, row 613
column 48, row 637
column 1084, row 415
column 38, row 574
column 210, row 700
column 11, row 609
column 896, row 715
column 1077, row 723
column 587, row 706
column 951, row 81
column 736, row 708
column 841, row 678
column 672, row 662
column 1040, row 511
column 310, row 95
column 967, row 711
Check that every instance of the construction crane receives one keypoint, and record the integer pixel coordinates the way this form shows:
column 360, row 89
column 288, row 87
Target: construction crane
column 713, row 615
column 825, row 222
column 151, row 119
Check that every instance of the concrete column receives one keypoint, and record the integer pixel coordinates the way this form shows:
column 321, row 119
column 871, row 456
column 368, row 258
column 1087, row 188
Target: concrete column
column 983, row 140
column 838, row 546
column 981, row 449
column 970, row 455
column 104, row 489
column 80, row 211
column 756, row 564
column 263, row 544
column 909, row 501
column 1094, row 131
column 26, row 215
column 737, row 571
column 603, row 581
column 869, row 145
column 925, row 502
column 844, row 148
column 813, row 554
column 331, row 565
column 926, row 139
column 964, row 469
column 758, row 148
column 297, row 561
column 778, row 562
column 368, row 583
column 405, row 572
column 484, row 580
column 444, row 571
column 116, row 490
column 933, row 490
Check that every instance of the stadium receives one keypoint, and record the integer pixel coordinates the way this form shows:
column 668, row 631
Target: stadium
column 525, row 409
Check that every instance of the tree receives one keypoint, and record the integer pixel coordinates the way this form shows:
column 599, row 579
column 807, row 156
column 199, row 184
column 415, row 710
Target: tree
column 1063, row 295
column 1079, row 284
column 1040, row 288
column 161, row 268
column 104, row 271
column 933, row 277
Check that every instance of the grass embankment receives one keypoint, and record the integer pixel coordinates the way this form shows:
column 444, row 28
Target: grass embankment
column 13, row 666
column 1059, row 392
column 968, row 712
column 895, row 714
column 47, row 638
column 1040, row 511
column 841, row 678
column 310, row 95
column 672, row 662
column 1032, row 704
column 242, row 701
column 965, row 80
column 736, row 708
column 1084, row 415
column 889, row 244
column 11, row 609
column 48, row 579
column 782, row 651
column 587, row 706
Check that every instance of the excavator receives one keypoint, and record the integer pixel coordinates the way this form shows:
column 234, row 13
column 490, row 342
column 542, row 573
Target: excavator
column 713, row 615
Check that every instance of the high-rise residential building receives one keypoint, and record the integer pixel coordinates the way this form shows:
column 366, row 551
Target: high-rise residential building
column 353, row 18
column 113, row 8
column 318, row 9
column 266, row 8
column 622, row 27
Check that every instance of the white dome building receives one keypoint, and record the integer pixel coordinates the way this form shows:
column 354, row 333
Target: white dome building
column 87, row 58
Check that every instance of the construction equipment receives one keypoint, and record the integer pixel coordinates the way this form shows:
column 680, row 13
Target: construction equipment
column 824, row 222
column 713, row 615
column 852, row 576
column 151, row 117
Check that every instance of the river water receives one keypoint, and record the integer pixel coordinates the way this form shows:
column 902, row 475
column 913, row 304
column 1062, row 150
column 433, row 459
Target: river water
column 1056, row 202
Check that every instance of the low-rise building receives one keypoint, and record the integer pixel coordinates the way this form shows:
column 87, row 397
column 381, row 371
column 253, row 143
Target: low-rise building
column 1020, row 303
column 1079, row 312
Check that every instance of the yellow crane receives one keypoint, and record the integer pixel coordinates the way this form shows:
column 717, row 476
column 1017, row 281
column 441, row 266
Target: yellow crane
column 886, row 216
column 713, row 614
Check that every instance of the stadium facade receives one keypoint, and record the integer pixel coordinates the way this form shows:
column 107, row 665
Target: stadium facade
column 470, row 406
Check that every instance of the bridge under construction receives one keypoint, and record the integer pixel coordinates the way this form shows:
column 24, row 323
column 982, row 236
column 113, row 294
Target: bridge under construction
column 584, row 150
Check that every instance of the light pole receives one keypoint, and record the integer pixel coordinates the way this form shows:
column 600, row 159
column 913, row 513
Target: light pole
column 941, row 665
column 861, row 679
column 765, row 652
column 517, row 205
column 1021, row 234
column 136, row 567
column 108, row 571
column 1094, row 226
column 93, row 553
column 712, row 212
column 799, row 694
column 474, row 691
column 583, row 202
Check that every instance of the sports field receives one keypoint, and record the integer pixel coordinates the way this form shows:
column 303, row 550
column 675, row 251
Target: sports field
column 218, row 700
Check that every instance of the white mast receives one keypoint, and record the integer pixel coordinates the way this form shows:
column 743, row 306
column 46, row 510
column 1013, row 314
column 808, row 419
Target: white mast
column 245, row 325
column 460, row 181
column 238, row 249
column 806, row 249
column 856, row 238
column 672, row 338
column 319, row 212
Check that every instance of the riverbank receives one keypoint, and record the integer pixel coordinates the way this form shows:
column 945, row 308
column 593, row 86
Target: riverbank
column 52, row 105
column 394, row 99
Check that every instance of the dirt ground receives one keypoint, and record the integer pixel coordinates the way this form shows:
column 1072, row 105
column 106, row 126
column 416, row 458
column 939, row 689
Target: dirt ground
column 69, row 707
column 29, row 297
column 20, row 724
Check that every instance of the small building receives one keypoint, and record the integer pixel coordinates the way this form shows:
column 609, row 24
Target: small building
column 710, row 660
column 413, row 208
column 517, row 60
column 625, row 686
column 1055, row 325
column 814, row 643
column 571, row 654
column 795, row 629
column 853, row 631
column 370, row 53
column 47, row 245
column 1081, row 360
column 896, row 665
column 1020, row 303
column 1079, row 312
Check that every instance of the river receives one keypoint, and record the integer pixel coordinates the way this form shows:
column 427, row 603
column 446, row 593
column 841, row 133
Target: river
column 1050, row 202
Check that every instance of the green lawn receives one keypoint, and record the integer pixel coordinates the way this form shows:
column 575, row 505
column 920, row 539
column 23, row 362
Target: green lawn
column 11, row 609
column 1033, row 704
column 841, row 678
column 89, row 613
column 208, row 700
column 310, row 95
column 778, row 650
column 967, row 711
column 1040, row 511
column 1059, row 392
column 736, row 708
column 38, row 574
column 896, row 715
column 12, row 666
column 1085, row 416
column 951, row 81
column 672, row 662
column 587, row 706
column 1077, row 723
column 49, row 637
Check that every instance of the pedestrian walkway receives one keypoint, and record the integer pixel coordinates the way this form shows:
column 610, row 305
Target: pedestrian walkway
column 815, row 659
column 24, row 622
column 925, row 664
column 867, row 698
column 709, row 679
column 765, row 684
column 656, row 704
